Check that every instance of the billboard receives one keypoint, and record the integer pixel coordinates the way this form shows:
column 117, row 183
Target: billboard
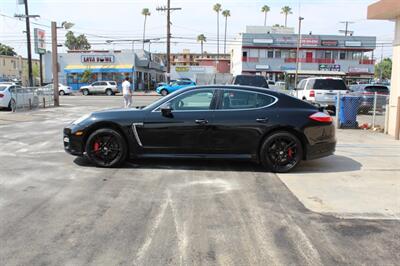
column 40, row 41
column 307, row 41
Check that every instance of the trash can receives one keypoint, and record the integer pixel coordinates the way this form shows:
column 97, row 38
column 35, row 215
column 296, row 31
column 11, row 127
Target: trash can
column 348, row 111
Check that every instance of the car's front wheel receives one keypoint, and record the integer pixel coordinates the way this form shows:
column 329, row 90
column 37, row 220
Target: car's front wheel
column 85, row 92
column 109, row 92
column 106, row 148
column 281, row 152
column 61, row 92
column 164, row 92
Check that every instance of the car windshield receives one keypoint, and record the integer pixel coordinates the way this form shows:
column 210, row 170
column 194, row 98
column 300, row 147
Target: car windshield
column 255, row 81
column 329, row 84
column 2, row 88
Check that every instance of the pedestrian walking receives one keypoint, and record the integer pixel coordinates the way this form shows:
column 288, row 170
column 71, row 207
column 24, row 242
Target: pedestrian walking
column 127, row 93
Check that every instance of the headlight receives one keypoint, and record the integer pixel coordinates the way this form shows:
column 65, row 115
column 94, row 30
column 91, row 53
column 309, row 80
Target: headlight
column 81, row 119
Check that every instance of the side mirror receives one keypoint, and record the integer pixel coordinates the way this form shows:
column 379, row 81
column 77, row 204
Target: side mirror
column 166, row 110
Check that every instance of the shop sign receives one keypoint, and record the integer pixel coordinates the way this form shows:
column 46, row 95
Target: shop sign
column 286, row 40
column 266, row 67
column 97, row 59
column 263, row 41
column 352, row 43
column 330, row 43
column 309, row 41
column 288, row 68
column 40, row 41
column 325, row 67
column 182, row 69
column 358, row 70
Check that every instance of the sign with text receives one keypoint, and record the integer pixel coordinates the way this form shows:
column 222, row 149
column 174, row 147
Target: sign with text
column 352, row 43
column 286, row 40
column 358, row 70
column 40, row 41
column 306, row 41
column 325, row 67
column 263, row 41
column 97, row 59
column 330, row 43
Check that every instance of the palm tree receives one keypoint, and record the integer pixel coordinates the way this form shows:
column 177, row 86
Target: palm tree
column 217, row 8
column 226, row 14
column 145, row 13
column 265, row 9
column 286, row 10
column 201, row 38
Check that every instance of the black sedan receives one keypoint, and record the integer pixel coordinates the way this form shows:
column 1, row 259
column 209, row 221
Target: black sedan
column 220, row 122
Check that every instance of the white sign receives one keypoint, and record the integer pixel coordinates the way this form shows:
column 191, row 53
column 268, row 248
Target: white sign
column 265, row 41
column 266, row 67
column 40, row 41
column 358, row 70
column 352, row 43
column 97, row 59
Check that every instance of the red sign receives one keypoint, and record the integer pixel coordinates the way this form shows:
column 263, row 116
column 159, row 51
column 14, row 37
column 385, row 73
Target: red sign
column 330, row 43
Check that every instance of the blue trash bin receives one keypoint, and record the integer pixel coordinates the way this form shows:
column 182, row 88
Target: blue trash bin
column 348, row 111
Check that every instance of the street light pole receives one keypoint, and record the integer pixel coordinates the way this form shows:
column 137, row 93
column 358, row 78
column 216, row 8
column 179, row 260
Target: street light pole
column 29, row 48
column 54, row 60
column 297, row 53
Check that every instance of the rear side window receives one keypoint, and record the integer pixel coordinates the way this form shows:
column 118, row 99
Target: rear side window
column 235, row 99
column 113, row 83
column 378, row 89
column 255, row 81
column 329, row 84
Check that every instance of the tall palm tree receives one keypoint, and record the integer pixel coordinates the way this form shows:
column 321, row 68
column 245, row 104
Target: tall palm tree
column 226, row 14
column 265, row 9
column 202, row 39
column 217, row 8
column 145, row 13
column 286, row 10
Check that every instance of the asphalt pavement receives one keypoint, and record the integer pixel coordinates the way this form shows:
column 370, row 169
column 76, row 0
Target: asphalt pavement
column 56, row 209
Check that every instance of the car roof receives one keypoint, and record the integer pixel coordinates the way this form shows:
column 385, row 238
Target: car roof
column 336, row 78
column 231, row 86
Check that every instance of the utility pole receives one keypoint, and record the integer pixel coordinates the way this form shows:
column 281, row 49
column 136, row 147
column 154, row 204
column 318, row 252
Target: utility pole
column 54, row 62
column 346, row 30
column 168, row 9
column 298, row 52
column 28, row 38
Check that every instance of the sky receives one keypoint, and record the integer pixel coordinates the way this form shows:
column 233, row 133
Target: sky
column 103, row 20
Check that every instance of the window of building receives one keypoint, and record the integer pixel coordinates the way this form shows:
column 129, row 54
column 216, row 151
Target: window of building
column 263, row 53
column 342, row 55
column 335, row 54
column 254, row 53
column 292, row 54
column 244, row 53
column 285, row 54
column 270, row 54
column 328, row 55
column 277, row 54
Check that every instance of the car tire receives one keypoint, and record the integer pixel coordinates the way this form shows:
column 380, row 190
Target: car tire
column 281, row 152
column 164, row 92
column 106, row 148
column 62, row 93
column 85, row 92
column 109, row 92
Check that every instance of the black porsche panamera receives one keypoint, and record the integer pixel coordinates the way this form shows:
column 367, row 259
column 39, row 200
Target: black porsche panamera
column 229, row 122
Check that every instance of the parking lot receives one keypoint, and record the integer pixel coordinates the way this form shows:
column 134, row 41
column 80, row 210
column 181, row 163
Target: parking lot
column 56, row 209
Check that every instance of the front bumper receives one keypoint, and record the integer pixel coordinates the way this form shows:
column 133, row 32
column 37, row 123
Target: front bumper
column 72, row 144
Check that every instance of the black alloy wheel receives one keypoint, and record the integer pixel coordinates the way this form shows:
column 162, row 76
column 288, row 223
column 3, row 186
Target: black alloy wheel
column 164, row 92
column 281, row 152
column 106, row 148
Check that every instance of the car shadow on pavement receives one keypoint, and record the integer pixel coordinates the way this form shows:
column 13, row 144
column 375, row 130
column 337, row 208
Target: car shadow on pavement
column 331, row 164
column 184, row 164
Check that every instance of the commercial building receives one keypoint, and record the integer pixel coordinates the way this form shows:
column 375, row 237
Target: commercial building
column 259, row 51
column 15, row 68
column 78, row 68
column 390, row 10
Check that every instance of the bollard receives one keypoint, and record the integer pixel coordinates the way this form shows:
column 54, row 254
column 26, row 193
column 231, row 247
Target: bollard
column 374, row 110
column 30, row 104
column 44, row 102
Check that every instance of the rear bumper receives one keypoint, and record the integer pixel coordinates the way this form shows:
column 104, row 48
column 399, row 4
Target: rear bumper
column 320, row 150
column 321, row 141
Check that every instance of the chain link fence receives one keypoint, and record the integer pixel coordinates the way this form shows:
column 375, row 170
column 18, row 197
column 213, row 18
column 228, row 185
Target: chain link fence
column 367, row 111
column 30, row 98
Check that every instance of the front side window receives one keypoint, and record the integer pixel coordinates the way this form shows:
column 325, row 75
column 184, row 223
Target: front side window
column 235, row 99
column 193, row 101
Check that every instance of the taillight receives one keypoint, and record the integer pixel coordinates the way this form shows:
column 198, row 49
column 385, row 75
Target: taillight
column 312, row 93
column 321, row 117
column 1, row 95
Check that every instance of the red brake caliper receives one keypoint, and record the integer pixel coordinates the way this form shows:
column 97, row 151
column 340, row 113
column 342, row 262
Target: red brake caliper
column 290, row 153
column 96, row 146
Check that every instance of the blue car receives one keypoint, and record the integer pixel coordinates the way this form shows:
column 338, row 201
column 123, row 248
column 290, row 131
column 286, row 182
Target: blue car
column 177, row 85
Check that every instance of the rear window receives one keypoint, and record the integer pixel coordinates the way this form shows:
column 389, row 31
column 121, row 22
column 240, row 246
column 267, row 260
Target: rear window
column 379, row 89
column 329, row 84
column 256, row 81
column 2, row 88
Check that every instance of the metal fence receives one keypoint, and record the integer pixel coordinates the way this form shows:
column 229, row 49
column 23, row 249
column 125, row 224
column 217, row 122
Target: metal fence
column 367, row 111
column 30, row 98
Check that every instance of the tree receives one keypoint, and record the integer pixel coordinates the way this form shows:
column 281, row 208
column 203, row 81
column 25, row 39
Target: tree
column 226, row 14
column 217, row 8
column 286, row 10
column 265, row 9
column 383, row 70
column 7, row 50
column 201, row 38
column 76, row 43
column 145, row 13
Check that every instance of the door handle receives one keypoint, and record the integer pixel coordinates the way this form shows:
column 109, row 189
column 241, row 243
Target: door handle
column 201, row 121
column 262, row 120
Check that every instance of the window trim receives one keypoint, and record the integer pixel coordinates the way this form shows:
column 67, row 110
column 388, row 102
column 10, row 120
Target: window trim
column 244, row 109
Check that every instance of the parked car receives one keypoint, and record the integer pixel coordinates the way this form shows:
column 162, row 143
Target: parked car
column 14, row 96
column 62, row 89
column 367, row 94
column 100, row 87
column 321, row 91
column 179, row 84
column 229, row 122
column 251, row 80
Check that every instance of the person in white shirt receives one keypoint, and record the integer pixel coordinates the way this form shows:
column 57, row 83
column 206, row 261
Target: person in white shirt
column 127, row 93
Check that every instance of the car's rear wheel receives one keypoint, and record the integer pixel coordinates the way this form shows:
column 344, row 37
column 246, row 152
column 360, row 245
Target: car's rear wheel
column 109, row 92
column 164, row 92
column 106, row 148
column 61, row 92
column 281, row 152
column 85, row 92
